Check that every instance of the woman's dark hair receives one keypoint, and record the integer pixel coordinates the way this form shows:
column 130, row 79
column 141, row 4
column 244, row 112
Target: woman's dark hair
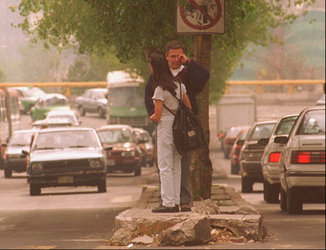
column 162, row 75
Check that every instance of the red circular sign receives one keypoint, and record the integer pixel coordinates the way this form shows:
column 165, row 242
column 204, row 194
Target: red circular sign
column 202, row 14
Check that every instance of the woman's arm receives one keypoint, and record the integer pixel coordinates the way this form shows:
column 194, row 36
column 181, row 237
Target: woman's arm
column 186, row 101
column 156, row 117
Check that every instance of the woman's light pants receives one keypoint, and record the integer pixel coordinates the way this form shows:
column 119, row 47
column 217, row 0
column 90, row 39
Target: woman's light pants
column 169, row 163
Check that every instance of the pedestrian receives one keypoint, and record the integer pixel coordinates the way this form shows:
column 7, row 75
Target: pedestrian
column 194, row 77
column 166, row 89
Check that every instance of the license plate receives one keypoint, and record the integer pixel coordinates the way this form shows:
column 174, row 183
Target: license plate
column 111, row 162
column 65, row 179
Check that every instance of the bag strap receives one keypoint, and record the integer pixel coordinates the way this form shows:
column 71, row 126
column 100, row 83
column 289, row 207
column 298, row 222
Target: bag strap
column 179, row 100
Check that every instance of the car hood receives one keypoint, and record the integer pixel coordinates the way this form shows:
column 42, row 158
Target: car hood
column 121, row 146
column 16, row 150
column 65, row 154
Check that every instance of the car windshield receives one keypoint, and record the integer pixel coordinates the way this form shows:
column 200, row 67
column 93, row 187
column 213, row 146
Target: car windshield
column 115, row 136
column 69, row 118
column 313, row 123
column 66, row 139
column 126, row 97
column 55, row 101
column 20, row 139
column 285, row 125
column 261, row 131
column 234, row 131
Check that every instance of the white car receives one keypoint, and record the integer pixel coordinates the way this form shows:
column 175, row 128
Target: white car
column 271, row 157
column 302, row 162
column 67, row 114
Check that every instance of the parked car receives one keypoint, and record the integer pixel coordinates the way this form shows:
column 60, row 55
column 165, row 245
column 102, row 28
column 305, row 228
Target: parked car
column 251, row 153
column 235, row 151
column 229, row 138
column 47, row 103
column 67, row 114
column 92, row 101
column 66, row 157
column 271, row 157
column 28, row 97
column 146, row 145
column 302, row 162
column 125, row 154
column 14, row 159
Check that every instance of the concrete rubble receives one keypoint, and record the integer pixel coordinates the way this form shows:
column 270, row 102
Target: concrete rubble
column 226, row 213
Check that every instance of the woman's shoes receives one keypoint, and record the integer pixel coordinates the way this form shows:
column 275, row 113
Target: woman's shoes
column 164, row 209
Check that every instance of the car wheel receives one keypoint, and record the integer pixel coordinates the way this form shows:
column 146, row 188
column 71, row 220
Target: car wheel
column 234, row 169
column 271, row 192
column 246, row 185
column 101, row 187
column 8, row 173
column 100, row 112
column 34, row 189
column 81, row 110
column 137, row 171
column 283, row 200
column 293, row 202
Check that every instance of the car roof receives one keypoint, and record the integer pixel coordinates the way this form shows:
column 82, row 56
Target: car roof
column 265, row 122
column 98, row 90
column 49, row 96
column 62, row 111
column 59, row 129
column 118, row 126
column 24, row 131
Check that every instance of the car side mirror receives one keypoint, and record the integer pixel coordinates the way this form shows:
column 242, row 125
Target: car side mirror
column 263, row 141
column 281, row 139
column 25, row 153
column 240, row 142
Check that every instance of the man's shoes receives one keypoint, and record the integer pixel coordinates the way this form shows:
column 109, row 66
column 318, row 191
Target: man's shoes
column 164, row 209
column 185, row 207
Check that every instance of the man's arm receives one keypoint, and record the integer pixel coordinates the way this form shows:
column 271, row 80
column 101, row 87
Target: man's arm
column 148, row 96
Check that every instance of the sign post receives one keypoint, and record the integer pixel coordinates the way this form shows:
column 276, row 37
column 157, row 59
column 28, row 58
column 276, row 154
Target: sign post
column 201, row 18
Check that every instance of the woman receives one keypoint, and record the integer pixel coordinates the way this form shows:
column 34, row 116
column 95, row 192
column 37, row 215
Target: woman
column 169, row 160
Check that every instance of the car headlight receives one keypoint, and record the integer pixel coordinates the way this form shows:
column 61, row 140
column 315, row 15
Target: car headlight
column 38, row 166
column 95, row 163
column 128, row 153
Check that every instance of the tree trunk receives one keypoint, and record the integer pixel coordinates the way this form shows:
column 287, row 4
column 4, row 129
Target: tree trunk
column 201, row 165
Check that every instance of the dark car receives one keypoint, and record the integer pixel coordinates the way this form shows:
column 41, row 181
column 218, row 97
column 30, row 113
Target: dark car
column 235, row 151
column 14, row 159
column 125, row 155
column 252, row 152
column 66, row 157
column 92, row 101
column 145, row 143
column 229, row 138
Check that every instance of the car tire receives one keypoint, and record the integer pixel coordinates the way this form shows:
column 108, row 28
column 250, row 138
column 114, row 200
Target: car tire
column 8, row 173
column 137, row 171
column 271, row 192
column 82, row 111
column 101, row 187
column 234, row 169
column 34, row 189
column 293, row 202
column 246, row 185
column 283, row 199
column 100, row 112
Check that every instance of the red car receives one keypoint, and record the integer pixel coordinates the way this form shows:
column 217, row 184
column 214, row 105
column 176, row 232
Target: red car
column 235, row 151
column 229, row 139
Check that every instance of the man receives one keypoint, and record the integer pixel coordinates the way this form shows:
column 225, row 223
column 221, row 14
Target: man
column 194, row 77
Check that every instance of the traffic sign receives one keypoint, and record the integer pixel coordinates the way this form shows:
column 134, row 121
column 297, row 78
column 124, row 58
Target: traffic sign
column 201, row 16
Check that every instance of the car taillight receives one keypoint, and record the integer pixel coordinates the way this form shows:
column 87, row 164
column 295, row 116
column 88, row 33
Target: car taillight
column 308, row 157
column 274, row 157
column 220, row 135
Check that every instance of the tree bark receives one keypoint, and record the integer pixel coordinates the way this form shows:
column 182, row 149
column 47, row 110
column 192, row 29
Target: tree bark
column 201, row 165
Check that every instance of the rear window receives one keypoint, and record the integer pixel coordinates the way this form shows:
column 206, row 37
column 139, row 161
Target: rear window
column 261, row 131
column 313, row 123
column 234, row 131
column 285, row 126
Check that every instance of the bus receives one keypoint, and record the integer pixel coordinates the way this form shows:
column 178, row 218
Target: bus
column 9, row 117
column 125, row 103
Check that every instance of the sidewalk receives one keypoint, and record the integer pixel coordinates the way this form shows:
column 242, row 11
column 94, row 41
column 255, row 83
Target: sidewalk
column 226, row 217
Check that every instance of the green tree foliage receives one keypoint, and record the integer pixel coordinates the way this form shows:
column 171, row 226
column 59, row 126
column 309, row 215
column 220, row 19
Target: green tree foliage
column 130, row 26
